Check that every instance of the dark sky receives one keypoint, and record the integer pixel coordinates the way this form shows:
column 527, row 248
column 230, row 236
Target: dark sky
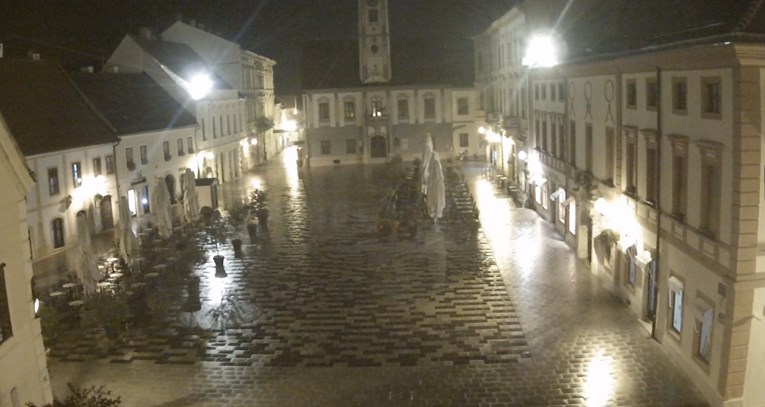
column 82, row 32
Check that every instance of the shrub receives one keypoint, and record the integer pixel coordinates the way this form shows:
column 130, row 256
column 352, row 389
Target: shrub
column 85, row 397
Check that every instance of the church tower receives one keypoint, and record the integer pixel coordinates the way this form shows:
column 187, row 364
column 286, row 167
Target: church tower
column 374, row 42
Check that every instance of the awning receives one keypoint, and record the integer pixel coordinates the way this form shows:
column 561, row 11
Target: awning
column 675, row 284
column 559, row 194
column 701, row 307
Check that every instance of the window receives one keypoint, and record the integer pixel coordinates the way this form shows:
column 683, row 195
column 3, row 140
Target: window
column 350, row 110
column 6, row 330
column 76, row 174
column 430, row 107
column 544, row 91
column 53, row 186
column 554, row 138
column 204, row 135
column 675, row 305
column 166, row 150
column 651, row 176
column 544, row 135
column 377, row 107
column 220, row 122
column 145, row 203
column 702, row 333
column 711, row 97
column 588, row 146
column 129, row 158
column 464, row 140
column 144, row 155
column 571, row 215
column 651, row 94
column 109, row 161
column 545, row 196
column 610, row 136
column 561, row 140
column 630, row 162
column 463, row 106
column 537, row 133
column 373, row 16
column 324, row 111
column 631, row 94
column 97, row 166
column 326, row 147
column 181, row 150
column 57, row 227
column 572, row 144
column 350, row 146
column 228, row 124
column 561, row 92
column 679, row 95
column 536, row 91
column 710, row 188
column 215, row 129
column 553, row 87
column 679, row 176
column 403, row 109
column 189, row 145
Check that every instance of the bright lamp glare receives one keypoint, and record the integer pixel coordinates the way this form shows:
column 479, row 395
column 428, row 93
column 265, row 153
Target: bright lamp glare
column 541, row 52
column 290, row 125
column 199, row 86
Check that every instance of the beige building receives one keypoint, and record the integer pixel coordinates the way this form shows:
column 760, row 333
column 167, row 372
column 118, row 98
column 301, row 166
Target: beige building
column 246, row 71
column 385, row 96
column 645, row 150
column 21, row 345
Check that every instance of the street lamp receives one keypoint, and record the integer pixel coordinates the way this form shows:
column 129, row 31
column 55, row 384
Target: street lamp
column 198, row 86
column 541, row 52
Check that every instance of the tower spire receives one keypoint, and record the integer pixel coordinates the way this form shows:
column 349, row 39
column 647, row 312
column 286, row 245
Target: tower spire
column 374, row 42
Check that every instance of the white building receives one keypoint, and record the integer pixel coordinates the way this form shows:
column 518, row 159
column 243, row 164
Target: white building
column 221, row 141
column 246, row 71
column 646, row 153
column 69, row 148
column 157, row 136
column 383, row 97
column 22, row 356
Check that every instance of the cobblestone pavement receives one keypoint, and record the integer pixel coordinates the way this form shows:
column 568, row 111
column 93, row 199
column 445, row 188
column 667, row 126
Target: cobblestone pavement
column 337, row 315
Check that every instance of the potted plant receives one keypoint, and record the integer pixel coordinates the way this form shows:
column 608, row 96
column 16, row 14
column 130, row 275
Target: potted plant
column 106, row 311
column 215, row 229
column 259, row 207
column 237, row 216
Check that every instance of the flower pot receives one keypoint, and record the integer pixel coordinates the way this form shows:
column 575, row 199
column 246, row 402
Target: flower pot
column 218, row 259
column 252, row 230
column 237, row 243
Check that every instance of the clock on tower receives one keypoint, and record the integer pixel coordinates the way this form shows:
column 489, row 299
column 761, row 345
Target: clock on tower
column 374, row 42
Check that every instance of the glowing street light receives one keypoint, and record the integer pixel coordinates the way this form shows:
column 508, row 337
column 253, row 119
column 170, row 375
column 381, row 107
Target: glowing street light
column 541, row 52
column 199, row 86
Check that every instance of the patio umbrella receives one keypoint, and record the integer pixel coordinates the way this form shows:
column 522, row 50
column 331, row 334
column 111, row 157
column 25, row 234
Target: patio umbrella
column 87, row 271
column 127, row 239
column 190, row 198
column 436, row 198
column 427, row 154
column 161, row 204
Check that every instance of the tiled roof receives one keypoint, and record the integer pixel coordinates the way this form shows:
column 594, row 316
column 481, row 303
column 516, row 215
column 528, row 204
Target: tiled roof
column 600, row 27
column 414, row 61
column 44, row 109
column 179, row 58
column 133, row 103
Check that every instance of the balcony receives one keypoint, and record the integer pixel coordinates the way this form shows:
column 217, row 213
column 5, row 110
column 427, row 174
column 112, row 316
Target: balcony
column 380, row 118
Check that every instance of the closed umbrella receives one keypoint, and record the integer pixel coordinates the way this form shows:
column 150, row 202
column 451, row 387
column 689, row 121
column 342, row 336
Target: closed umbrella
column 161, row 204
column 190, row 198
column 436, row 196
column 127, row 239
column 427, row 154
column 86, row 271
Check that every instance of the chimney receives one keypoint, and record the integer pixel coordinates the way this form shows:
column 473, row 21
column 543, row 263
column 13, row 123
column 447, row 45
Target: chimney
column 88, row 69
column 1, row 50
column 145, row 33
column 113, row 69
column 34, row 55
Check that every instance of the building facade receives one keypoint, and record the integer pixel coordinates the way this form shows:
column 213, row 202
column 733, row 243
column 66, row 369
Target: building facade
column 21, row 344
column 75, row 170
column 645, row 152
column 378, row 103
column 246, row 71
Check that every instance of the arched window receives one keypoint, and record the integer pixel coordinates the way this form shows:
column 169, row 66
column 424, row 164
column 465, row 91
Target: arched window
column 58, row 232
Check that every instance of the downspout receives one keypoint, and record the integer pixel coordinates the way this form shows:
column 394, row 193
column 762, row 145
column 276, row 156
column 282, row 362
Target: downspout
column 658, row 200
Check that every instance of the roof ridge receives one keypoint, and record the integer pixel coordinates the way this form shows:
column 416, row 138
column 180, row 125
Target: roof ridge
column 87, row 101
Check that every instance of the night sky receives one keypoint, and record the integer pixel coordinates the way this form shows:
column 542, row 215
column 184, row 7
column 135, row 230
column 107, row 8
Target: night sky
column 84, row 32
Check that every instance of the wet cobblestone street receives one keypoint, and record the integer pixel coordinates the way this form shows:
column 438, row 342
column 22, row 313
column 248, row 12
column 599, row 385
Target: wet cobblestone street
column 337, row 315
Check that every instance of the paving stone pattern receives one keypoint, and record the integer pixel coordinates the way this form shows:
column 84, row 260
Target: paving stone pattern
column 337, row 315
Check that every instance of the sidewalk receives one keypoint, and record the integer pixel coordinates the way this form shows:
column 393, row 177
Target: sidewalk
column 344, row 317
